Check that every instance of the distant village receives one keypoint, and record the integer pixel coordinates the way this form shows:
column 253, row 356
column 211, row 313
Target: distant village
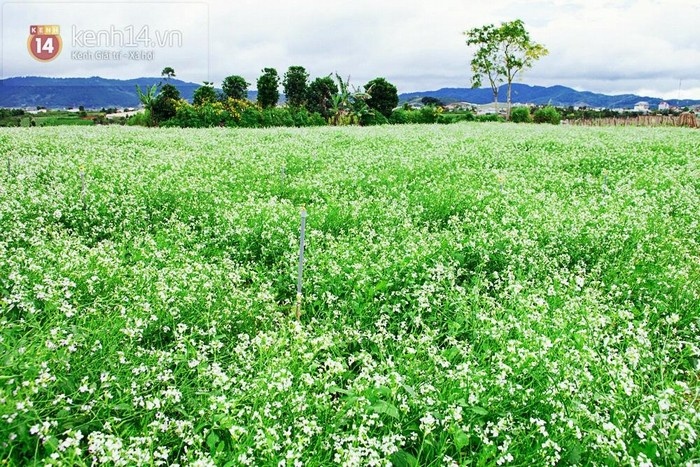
column 641, row 107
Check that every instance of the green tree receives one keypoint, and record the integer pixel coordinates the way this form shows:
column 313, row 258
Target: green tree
column 547, row 114
column 501, row 53
column 204, row 94
column 268, row 88
column 521, row 115
column 384, row 96
column 164, row 107
column 434, row 101
column 148, row 99
column 235, row 87
column 349, row 106
column 319, row 96
column 167, row 73
column 295, row 85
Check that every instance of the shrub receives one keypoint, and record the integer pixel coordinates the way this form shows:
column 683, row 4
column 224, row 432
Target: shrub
column 251, row 117
column 277, row 116
column 429, row 114
column 209, row 114
column 373, row 118
column 547, row 115
column 521, row 115
column 456, row 117
column 490, row 118
column 399, row 116
column 303, row 117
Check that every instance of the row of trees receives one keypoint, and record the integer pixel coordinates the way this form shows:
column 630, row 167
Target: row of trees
column 330, row 97
column 502, row 53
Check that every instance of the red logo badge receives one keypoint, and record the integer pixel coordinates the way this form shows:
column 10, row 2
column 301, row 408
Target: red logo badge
column 44, row 43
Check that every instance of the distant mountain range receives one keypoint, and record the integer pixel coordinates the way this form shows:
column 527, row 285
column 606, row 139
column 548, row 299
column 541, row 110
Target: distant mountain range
column 554, row 95
column 91, row 93
column 96, row 93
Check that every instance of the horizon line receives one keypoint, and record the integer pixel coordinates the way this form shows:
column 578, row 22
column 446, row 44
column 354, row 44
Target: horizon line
column 175, row 78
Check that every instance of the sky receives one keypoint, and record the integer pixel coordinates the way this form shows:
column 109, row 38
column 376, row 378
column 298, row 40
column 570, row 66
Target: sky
column 646, row 47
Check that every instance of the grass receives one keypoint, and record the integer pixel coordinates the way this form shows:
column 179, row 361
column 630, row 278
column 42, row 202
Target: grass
column 474, row 294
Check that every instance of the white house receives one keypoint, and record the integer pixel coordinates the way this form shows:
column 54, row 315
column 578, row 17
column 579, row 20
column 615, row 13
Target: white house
column 641, row 106
column 663, row 105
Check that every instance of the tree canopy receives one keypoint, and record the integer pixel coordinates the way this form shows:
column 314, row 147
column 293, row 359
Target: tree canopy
column 501, row 53
column 235, row 87
column 168, row 72
column 384, row 96
column 319, row 95
column 205, row 93
column 295, row 85
column 268, row 88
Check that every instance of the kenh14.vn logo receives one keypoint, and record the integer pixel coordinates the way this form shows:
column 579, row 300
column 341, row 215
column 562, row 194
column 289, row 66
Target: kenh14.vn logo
column 44, row 42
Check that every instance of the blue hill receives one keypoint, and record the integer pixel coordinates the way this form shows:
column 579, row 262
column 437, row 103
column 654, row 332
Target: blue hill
column 92, row 93
column 96, row 93
column 554, row 95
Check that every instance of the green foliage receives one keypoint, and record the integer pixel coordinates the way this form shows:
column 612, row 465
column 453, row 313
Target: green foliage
column 168, row 91
column 455, row 117
column 501, row 53
column 240, row 113
column 486, row 60
column 168, row 72
column 11, row 117
column 277, row 116
column 204, row 94
column 547, row 114
column 490, row 118
column 384, row 96
column 64, row 120
column 302, row 117
column 206, row 115
column 295, row 86
column 373, row 118
column 268, row 88
column 148, row 100
column 434, row 101
column 521, row 114
column 165, row 103
column 139, row 119
column 235, row 87
column 349, row 106
column 320, row 94
column 251, row 118
column 427, row 114
column 473, row 295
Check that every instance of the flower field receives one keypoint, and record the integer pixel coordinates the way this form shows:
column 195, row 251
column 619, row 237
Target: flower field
column 474, row 294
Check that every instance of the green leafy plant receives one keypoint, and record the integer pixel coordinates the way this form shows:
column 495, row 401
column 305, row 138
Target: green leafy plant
column 521, row 115
column 547, row 114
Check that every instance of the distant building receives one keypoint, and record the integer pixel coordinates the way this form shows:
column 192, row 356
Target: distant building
column 663, row 105
column 641, row 106
column 126, row 114
column 459, row 106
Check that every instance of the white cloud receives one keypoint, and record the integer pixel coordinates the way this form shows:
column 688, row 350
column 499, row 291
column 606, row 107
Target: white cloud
column 598, row 45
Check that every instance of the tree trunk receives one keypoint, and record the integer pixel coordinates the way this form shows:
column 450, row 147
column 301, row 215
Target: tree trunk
column 508, row 104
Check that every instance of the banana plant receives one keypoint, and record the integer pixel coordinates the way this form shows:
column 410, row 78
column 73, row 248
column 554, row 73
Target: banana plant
column 350, row 104
column 148, row 99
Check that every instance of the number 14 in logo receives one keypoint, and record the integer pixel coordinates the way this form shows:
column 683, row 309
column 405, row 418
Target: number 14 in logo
column 44, row 43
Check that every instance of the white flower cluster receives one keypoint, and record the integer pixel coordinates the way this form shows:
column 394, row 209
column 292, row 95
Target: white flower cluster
column 471, row 296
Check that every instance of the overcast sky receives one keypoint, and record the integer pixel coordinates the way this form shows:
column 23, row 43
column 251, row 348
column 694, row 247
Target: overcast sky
column 646, row 47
